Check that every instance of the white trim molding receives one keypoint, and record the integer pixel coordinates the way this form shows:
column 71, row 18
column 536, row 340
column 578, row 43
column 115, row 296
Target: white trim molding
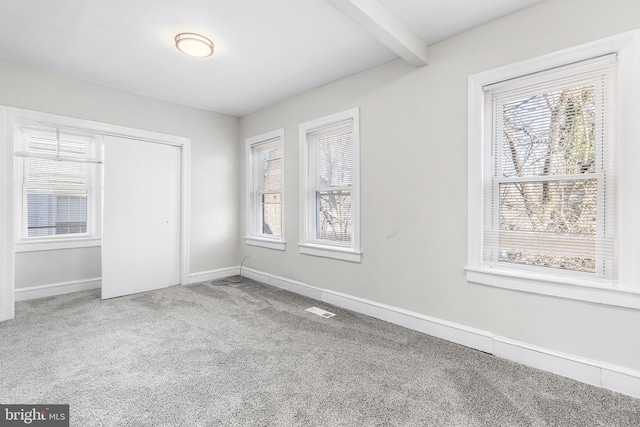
column 7, row 253
column 221, row 273
column 283, row 283
column 595, row 293
column 611, row 377
column 266, row 243
column 344, row 254
column 52, row 289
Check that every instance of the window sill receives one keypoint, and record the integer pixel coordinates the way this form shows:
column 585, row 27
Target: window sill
column 266, row 243
column 343, row 254
column 50, row 245
column 590, row 290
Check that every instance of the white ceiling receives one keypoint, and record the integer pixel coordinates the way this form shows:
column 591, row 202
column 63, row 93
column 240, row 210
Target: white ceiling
column 265, row 50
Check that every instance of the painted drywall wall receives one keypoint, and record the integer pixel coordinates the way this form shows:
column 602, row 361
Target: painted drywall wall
column 214, row 156
column 66, row 265
column 413, row 125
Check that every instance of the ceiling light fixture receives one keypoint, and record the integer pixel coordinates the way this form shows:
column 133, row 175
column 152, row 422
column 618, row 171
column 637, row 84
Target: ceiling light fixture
column 194, row 45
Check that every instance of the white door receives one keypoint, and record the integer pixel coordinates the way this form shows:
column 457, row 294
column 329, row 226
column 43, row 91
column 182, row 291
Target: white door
column 141, row 217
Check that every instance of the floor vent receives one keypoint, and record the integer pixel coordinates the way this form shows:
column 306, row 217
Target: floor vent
column 320, row 312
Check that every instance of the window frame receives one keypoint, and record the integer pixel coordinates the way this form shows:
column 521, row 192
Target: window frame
column 625, row 289
column 323, row 248
column 253, row 184
column 92, row 237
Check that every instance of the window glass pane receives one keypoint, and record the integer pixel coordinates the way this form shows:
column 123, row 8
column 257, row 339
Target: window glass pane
column 333, row 156
column 549, row 224
column 74, row 147
column 47, row 171
column 272, row 214
column 56, row 212
column 271, row 169
column 550, row 133
column 267, row 214
column 333, row 216
column 580, row 258
column 270, row 154
column 43, row 142
column 550, row 206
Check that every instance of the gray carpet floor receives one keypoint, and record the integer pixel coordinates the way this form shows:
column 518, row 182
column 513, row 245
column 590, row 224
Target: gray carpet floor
column 246, row 354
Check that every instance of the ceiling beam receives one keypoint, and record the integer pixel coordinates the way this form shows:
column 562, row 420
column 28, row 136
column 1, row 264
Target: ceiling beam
column 386, row 27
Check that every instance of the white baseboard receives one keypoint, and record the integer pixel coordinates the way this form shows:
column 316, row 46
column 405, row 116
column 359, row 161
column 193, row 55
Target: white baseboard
column 220, row 273
column 51, row 289
column 282, row 283
column 580, row 369
column 611, row 377
column 622, row 380
column 460, row 334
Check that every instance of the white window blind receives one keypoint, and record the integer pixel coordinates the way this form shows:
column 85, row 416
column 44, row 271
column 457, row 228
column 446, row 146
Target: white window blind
column 57, row 177
column 331, row 177
column 550, row 194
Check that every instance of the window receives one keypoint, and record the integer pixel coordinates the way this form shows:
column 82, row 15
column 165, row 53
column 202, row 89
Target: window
column 550, row 200
column 549, row 191
column 57, row 198
column 330, row 187
column 265, row 192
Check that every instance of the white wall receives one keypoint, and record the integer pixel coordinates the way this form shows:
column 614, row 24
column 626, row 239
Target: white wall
column 214, row 187
column 413, row 125
column 66, row 265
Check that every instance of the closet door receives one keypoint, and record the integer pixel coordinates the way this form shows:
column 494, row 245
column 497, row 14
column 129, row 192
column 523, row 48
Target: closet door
column 141, row 217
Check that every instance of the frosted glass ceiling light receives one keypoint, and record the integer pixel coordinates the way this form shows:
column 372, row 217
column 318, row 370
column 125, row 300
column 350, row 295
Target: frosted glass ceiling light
column 194, row 45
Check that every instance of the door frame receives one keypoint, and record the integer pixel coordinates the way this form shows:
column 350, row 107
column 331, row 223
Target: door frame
column 8, row 117
column 7, row 247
